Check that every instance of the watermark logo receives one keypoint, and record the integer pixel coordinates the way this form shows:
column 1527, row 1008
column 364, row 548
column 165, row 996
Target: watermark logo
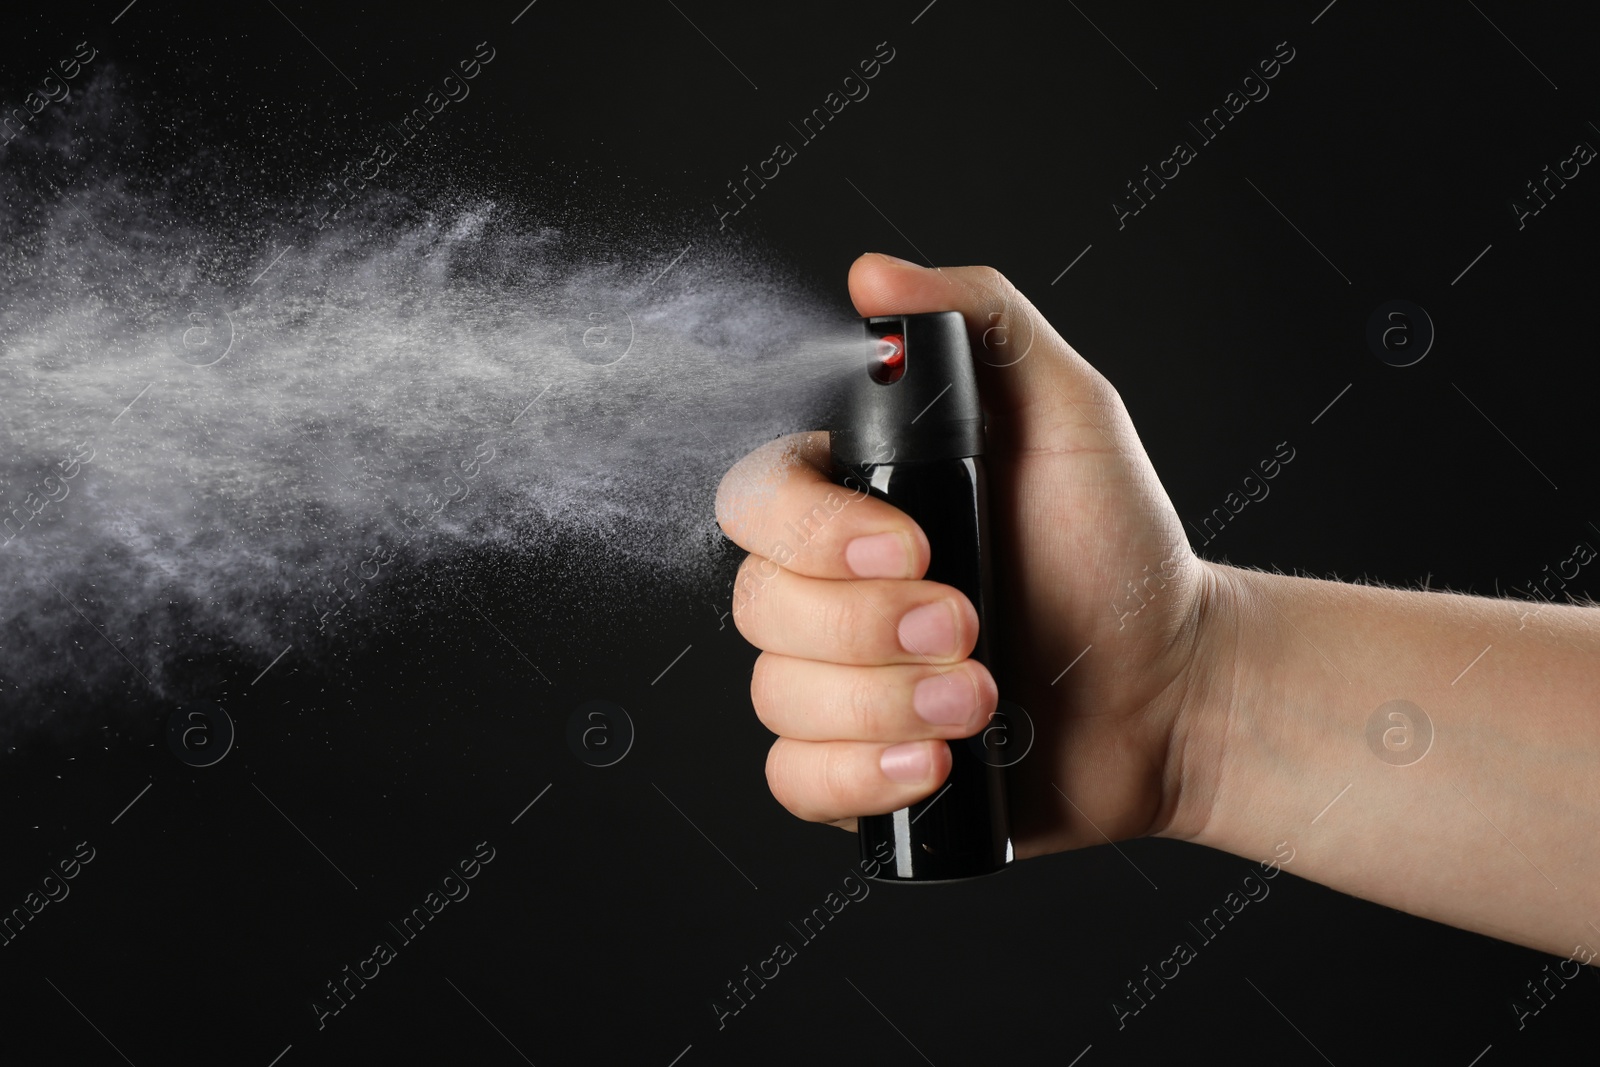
column 601, row 338
column 204, row 334
column 1400, row 333
column 52, row 89
column 600, row 733
column 1232, row 504
column 1007, row 737
column 1543, row 189
column 1399, row 733
column 1142, row 190
column 51, row 888
column 1007, row 338
column 200, row 734
column 853, row 88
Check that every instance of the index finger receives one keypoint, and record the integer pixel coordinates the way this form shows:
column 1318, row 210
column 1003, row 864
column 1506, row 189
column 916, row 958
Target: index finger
column 779, row 502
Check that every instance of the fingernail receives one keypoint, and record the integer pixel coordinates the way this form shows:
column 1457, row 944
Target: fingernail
column 896, row 259
column 945, row 699
column 884, row 555
column 910, row 762
column 929, row 630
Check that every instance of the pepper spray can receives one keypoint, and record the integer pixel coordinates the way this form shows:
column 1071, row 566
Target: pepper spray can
column 908, row 426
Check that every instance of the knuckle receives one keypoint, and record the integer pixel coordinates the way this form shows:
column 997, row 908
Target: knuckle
column 838, row 621
column 782, row 780
column 747, row 585
column 1000, row 283
column 835, row 780
column 777, row 776
column 1011, row 301
column 741, row 622
column 818, row 533
column 764, row 691
column 1104, row 394
column 746, row 569
column 860, row 706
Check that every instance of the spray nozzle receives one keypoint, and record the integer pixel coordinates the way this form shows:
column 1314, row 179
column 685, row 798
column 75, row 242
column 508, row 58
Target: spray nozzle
column 889, row 359
column 932, row 413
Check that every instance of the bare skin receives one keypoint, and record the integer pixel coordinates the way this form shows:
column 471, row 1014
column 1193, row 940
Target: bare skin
column 1211, row 704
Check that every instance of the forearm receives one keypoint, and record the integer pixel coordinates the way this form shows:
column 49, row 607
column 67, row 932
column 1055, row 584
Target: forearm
column 1493, row 828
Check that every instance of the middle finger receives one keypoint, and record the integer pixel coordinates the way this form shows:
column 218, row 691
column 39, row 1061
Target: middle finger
column 860, row 621
column 812, row 701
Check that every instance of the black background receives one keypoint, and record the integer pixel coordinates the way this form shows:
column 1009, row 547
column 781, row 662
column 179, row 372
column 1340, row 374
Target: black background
column 620, row 903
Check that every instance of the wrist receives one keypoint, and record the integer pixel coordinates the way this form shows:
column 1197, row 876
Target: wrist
column 1217, row 692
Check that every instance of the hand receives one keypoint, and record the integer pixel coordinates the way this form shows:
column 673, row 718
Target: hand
column 864, row 672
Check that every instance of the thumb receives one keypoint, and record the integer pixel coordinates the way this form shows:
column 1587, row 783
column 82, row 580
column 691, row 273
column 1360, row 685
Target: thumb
column 1050, row 396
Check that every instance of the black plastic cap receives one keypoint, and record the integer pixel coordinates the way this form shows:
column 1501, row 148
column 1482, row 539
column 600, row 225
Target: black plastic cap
column 930, row 413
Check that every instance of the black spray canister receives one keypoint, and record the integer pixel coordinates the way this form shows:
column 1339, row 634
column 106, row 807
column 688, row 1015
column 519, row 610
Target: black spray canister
column 908, row 426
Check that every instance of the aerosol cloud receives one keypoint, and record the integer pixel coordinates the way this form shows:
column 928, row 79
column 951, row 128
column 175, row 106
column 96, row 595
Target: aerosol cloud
column 220, row 442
